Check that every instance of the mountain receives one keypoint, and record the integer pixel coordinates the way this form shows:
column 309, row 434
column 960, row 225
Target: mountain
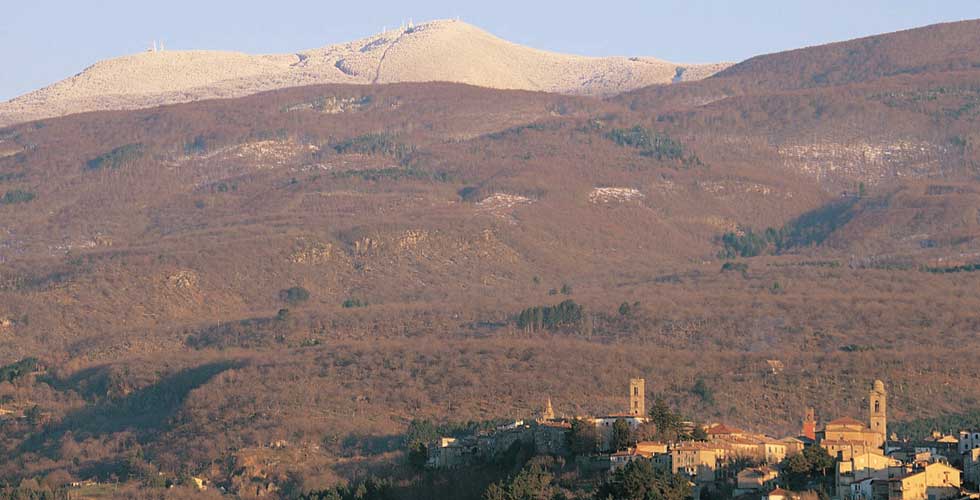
column 937, row 48
column 927, row 51
column 451, row 51
column 266, row 290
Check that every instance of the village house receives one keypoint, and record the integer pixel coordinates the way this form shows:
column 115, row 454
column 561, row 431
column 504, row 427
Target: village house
column 969, row 440
column 699, row 462
column 646, row 450
column 619, row 459
column 604, row 427
column 448, row 453
column 864, row 466
column 941, row 447
column 549, row 437
column 971, row 467
column 755, row 479
column 793, row 445
column 936, row 481
column 781, row 494
column 649, row 449
column 755, row 447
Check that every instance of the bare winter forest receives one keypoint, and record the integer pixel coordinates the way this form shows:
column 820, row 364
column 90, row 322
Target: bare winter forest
column 265, row 291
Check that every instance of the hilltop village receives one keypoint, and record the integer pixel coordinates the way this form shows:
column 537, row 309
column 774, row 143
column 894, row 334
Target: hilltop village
column 844, row 458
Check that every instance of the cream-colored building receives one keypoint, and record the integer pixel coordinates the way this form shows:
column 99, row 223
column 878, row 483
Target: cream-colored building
column 936, row 481
column 698, row 461
column 650, row 448
column 604, row 427
column 781, row 494
column 754, row 446
column 755, row 479
column 846, row 437
column 863, row 466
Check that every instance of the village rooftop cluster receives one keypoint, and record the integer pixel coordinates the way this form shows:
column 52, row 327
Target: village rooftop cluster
column 863, row 461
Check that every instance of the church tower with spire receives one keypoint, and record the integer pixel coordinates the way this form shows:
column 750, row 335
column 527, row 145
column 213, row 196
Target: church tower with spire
column 549, row 412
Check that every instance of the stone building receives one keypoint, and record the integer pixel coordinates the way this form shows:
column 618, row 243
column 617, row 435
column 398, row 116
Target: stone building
column 846, row 437
column 969, row 440
column 936, row 481
column 971, row 467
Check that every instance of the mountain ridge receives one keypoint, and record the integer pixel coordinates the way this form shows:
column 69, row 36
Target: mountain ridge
column 443, row 50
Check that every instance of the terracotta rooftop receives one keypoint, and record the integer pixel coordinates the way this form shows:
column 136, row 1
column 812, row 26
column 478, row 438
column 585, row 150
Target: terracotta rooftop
column 845, row 421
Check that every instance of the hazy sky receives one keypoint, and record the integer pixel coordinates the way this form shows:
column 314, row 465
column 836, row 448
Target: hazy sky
column 43, row 41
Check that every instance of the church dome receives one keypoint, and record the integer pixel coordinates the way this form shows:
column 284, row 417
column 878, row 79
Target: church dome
column 879, row 386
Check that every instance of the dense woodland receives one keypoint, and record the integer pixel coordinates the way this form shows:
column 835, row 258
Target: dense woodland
column 266, row 295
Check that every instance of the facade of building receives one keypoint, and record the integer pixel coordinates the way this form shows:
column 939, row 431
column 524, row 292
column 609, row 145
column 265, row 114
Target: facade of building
column 936, row 481
column 971, row 467
column 651, row 448
column 755, row 479
column 781, row 494
column 448, row 453
column 604, row 427
column 861, row 490
column 969, row 440
column 865, row 466
column 699, row 462
column 846, row 437
column 549, row 437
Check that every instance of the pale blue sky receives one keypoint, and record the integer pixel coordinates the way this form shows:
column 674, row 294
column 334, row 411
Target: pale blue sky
column 42, row 41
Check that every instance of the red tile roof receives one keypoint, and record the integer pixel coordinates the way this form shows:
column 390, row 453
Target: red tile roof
column 845, row 421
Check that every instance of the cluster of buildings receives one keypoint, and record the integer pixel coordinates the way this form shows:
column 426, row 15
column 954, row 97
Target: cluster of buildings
column 867, row 465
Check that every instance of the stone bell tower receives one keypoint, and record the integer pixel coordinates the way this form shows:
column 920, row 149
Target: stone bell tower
column 637, row 397
column 877, row 410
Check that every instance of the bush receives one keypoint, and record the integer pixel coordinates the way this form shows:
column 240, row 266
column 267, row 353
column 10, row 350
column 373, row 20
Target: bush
column 16, row 196
column 734, row 266
column 373, row 144
column 568, row 313
column 294, row 295
column 657, row 145
column 747, row 244
column 116, row 158
column 352, row 303
column 704, row 392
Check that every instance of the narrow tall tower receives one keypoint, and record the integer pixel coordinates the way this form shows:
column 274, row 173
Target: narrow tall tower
column 637, row 397
column 549, row 412
column 810, row 424
column 877, row 410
